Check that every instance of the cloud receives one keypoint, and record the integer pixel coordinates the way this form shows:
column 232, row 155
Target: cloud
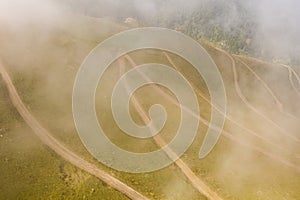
column 18, row 13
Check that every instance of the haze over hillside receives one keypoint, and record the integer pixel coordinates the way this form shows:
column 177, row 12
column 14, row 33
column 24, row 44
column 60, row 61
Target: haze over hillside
column 45, row 42
column 264, row 28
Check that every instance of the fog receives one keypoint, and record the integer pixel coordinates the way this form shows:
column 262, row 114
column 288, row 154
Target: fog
column 18, row 14
column 47, row 40
column 279, row 28
column 274, row 30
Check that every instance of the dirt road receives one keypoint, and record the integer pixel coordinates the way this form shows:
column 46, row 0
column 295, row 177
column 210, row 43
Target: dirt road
column 224, row 132
column 229, row 135
column 248, row 104
column 227, row 117
column 195, row 180
column 59, row 147
column 265, row 85
column 291, row 71
column 198, row 184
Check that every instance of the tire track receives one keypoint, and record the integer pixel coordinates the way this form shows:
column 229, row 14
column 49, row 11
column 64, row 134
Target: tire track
column 225, row 133
column 250, row 132
column 291, row 71
column 248, row 104
column 270, row 91
column 195, row 180
column 59, row 147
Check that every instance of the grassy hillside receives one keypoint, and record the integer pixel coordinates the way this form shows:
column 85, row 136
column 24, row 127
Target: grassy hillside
column 44, row 73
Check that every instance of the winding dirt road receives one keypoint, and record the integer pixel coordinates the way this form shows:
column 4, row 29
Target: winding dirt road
column 270, row 91
column 229, row 135
column 197, row 183
column 224, row 132
column 291, row 71
column 59, row 147
column 227, row 117
column 193, row 178
column 292, row 81
column 249, row 105
column 76, row 160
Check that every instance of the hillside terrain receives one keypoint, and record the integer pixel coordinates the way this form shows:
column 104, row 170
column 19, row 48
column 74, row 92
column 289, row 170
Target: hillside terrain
column 257, row 156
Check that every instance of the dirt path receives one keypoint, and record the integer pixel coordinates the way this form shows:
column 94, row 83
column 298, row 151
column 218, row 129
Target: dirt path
column 292, row 82
column 291, row 71
column 59, row 147
column 251, row 132
column 270, row 91
column 195, row 180
column 224, row 132
column 227, row 117
column 248, row 104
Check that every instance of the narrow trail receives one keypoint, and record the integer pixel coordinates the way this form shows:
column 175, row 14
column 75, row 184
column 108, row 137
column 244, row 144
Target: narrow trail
column 291, row 71
column 270, row 91
column 59, row 147
column 225, row 133
column 292, row 82
column 195, row 180
column 248, row 104
column 227, row 117
column 251, row 132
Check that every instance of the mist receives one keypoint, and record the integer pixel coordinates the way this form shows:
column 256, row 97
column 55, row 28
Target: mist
column 18, row 13
column 268, row 29
column 278, row 28
column 271, row 27
column 45, row 42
